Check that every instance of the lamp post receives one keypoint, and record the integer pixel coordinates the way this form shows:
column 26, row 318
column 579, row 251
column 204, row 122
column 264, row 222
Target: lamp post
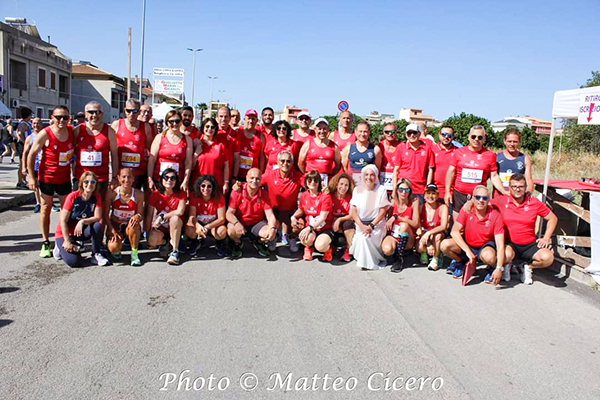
column 212, row 80
column 142, row 58
column 221, row 93
column 194, row 76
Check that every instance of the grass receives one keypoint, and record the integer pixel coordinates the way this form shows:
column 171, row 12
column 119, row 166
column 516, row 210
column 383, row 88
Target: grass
column 567, row 165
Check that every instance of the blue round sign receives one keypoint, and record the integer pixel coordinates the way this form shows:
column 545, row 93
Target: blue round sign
column 343, row 105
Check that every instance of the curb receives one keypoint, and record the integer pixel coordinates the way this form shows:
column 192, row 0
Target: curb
column 12, row 199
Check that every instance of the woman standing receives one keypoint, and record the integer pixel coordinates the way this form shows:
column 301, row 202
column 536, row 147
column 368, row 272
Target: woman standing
column 79, row 221
column 402, row 225
column 340, row 190
column 123, row 216
column 314, row 230
column 171, row 150
column 166, row 208
column 210, row 156
column 369, row 205
column 206, row 215
column 320, row 153
column 281, row 139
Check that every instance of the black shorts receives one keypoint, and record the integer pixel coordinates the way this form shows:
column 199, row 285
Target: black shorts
column 477, row 250
column 20, row 147
column 49, row 189
column 141, row 182
column 458, row 200
column 524, row 252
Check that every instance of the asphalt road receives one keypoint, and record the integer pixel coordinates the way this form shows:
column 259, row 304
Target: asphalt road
column 303, row 329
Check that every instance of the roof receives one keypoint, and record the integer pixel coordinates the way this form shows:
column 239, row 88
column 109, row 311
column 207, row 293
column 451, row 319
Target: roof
column 88, row 69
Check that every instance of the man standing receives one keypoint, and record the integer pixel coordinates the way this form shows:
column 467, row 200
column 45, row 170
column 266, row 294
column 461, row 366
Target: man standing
column 79, row 119
column 134, row 138
column 387, row 147
column 235, row 119
column 443, row 152
column 415, row 162
column 303, row 133
column 146, row 116
column 361, row 153
column 23, row 131
column 250, row 211
column 471, row 166
column 344, row 135
column 251, row 145
column 229, row 138
column 267, row 116
column 423, row 135
column 187, row 126
column 54, row 174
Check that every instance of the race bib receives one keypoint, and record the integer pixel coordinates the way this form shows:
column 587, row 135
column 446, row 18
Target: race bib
column 471, row 175
column 324, row 179
column 206, row 219
column 131, row 160
column 64, row 158
column 505, row 178
column 246, row 162
column 387, row 180
column 123, row 215
column 166, row 165
column 91, row 158
column 312, row 219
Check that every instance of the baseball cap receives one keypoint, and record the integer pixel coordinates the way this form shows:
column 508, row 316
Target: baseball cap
column 412, row 127
column 80, row 114
column 251, row 111
column 303, row 114
column 319, row 120
column 432, row 187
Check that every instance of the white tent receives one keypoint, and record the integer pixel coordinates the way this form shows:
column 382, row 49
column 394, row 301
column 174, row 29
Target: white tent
column 161, row 110
column 566, row 105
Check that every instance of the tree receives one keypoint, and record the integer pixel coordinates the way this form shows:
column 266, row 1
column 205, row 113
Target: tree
column 202, row 106
column 463, row 122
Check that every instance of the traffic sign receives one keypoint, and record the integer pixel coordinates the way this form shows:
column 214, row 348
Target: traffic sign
column 343, row 106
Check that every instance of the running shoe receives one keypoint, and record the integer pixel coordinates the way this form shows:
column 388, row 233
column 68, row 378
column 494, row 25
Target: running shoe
column 433, row 264
column 308, row 254
column 424, row 259
column 236, row 250
column 527, row 275
column 56, row 253
column 135, row 260
column 457, row 271
column 285, row 239
column 220, row 248
column 173, row 258
column 506, row 273
column 45, row 251
column 100, row 260
column 36, row 209
column 261, row 248
column 346, row 257
column 328, row 255
column 294, row 246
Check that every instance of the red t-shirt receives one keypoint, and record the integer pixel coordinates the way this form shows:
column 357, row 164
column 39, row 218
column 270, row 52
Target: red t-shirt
column 340, row 207
column 273, row 147
column 166, row 203
column 132, row 148
column 55, row 163
column 313, row 206
column 250, row 151
column 250, row 210
column 170, row 156
column 407, row 213
column 386, row 175
column 283, row 192
column 342, row 143
column 472, row 168
column 321, row 159
column 228, row 138
column 443, row 158
column 478, row 232
column 206, row 211
column 414, row 164
column 211, row 162
column 79, row 208
column 192, row 132
column 302, row 139
column 92, row 153
column 520, row 219
column 427, row 225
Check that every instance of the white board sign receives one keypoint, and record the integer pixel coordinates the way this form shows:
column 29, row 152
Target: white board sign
column 168, row 71
column 163, row 86
column 589, row 109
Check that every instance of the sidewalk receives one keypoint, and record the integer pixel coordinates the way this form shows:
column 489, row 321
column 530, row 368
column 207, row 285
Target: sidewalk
column 10, row 196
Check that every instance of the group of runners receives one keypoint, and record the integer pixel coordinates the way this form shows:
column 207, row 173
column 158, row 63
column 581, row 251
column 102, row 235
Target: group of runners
column 177, row 186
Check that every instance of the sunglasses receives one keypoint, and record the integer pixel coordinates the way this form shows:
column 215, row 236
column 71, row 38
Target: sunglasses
column 389, row 132
column 93, row 112
column 281, row 128
column 517, row 187
column 170, row 178
column 450, row 135
column 412, row 133
column 208, row 126
column 132, row 110
column 304, row 119
column 173, row 121
column 89, row 182
column 403, row 190
column 206, row 186
column 477, row 137
column 315, row 180
column 481, row 198
column 285, row 161
column 61, row 117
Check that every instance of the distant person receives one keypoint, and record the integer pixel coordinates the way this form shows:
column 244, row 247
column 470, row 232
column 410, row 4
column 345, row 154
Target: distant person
column 303, row 132
column 146, row 116
column 37, row 126
column 511, row 161
column 443, row 152
column 235, row 119
column 187, row 123
column 343, row 136
column 423, row 135
column 360, row 153
column 388, row 147
column 8, row 140
column 320, row 153
column 160, row 126
column 22, row 132
column 57, row 147
column 267, row 117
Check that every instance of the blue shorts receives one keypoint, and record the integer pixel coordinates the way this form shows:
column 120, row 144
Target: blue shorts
column 477, row 250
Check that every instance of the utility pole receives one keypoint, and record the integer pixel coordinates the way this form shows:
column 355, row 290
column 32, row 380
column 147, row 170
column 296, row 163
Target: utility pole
column 142, row 58
column 129, row 63
column 194, row 76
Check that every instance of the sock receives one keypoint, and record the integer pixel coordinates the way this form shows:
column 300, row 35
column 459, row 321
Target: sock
column 134, row 251
column 401, row 244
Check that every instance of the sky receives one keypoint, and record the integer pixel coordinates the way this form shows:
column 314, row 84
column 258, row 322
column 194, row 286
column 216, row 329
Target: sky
column 488, row 58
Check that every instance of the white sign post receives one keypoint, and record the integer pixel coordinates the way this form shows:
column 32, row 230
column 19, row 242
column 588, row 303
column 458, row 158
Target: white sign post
column 168, row 86
column 589, row 109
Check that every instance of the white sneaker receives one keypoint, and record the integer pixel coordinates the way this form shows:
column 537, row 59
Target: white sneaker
column 272, row 246
column 527, row 276
column 293, row 245
column 506, row 273
column 100, row 260
column 56, row 253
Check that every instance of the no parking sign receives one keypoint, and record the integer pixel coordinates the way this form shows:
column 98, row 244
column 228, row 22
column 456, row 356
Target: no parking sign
column 343, row 106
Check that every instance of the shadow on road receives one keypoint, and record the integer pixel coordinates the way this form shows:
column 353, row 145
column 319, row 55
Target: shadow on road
column 8, row 289
column 21, row 243
column 4, row 322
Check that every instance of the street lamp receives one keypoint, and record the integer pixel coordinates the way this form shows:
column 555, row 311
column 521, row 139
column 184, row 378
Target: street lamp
column 221, row 93
column 142, row 58
column 194, row 75
column 212, row 80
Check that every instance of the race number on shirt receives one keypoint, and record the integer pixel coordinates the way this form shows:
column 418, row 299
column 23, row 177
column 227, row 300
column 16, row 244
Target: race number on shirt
column 246, row 162
column 91, row 158
column 166, row 165
column 471, row 175
column 64, row 158
column 505, row 178
column 387, row 180
column 131, row 159
column 123, row 215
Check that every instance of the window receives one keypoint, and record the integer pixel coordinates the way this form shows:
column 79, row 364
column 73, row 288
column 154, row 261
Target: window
column 39, row 112
column 41, row 77
column 63, row 86
column 52, row 80
column 18, row 75
column 114, row 99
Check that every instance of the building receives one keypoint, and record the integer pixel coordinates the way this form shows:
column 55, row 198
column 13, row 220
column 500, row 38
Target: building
column 33, row 72
column 539, row 126
column 289, row 114
column 413, row 115
column 376, row 118
column 213, row 107
column 90, row 83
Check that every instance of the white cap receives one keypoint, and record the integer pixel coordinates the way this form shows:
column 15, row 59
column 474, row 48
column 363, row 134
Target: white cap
column 319, row 120
column 303, row 114
column 412, row 127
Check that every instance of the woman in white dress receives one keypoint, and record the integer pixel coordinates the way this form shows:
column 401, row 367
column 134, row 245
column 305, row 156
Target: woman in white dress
column 369, row 206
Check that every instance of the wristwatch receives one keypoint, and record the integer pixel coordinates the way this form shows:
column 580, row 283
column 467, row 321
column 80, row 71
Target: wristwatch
column 500, row 268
